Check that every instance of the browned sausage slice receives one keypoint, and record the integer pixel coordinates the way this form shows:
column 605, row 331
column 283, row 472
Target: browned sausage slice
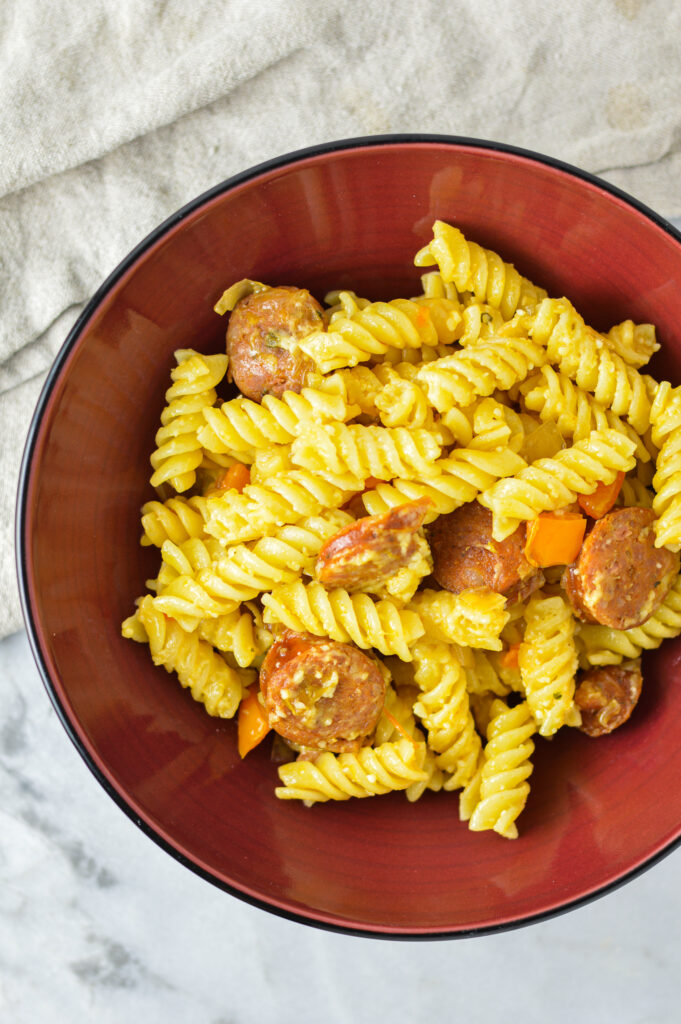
column 259, row 335
column 466, row 556
column 607, row 696
column 620, row 578
column 367, row 552
column 321, row 694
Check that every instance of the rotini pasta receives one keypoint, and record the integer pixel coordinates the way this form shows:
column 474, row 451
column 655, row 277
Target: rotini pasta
column 260, row 509
column 372, row 331
column 503, row 785
column 474, row 618
column 344, row 617
column 179, row 452
column 378, row 453
column 666, row 433
column 551, row 484
column 444, row 709
column 462, row 475
column 602, row 645
column 475, row 372
column 370, row 772
column 548, row 663
column 361, row 452
column 480, row 271
column 199, row 668
column 583, row 355
column 242, row 427
column 575, row 412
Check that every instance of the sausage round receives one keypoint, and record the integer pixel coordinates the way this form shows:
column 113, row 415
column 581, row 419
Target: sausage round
column 321, row 694
column 261, row 326
column 607, row 696
column 620, row 578
column 367, row 552
column 466, row 556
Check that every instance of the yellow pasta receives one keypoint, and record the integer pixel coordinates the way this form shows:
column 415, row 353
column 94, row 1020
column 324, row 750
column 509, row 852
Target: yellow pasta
column 666, row 433
column 242, row 427
column 179, row 451
column 344, row 617
column 480, row 271
column 550, row 484
column 506, row 767
column 481, row 390
column 474, row 618
column 176, row 519
column 261, row 508
column 199, row 668
column 444, row 709
column 575, row 412
column 372, row 331
column 462, row 475
column 548, row 663
column 360, row 452
column 475, row 372
column 372, row 771
column 602, row 645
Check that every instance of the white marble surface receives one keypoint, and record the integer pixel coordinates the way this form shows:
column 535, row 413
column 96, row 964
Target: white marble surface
column 97, row 923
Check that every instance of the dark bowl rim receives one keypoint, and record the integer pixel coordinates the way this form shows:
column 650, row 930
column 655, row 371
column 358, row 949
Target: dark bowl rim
column 276, row 163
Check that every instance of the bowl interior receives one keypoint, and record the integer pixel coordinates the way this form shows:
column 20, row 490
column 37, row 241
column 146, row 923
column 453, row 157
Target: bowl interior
column 352, row 217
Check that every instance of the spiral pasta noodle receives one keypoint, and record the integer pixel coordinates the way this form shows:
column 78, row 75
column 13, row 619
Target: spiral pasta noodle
column 361, row 452
column 206, row 586
column 240, row 633
column 483, row 392
column 444, row 709
column 371, row 331
column 179, row 452
column 634, row 343
column 242, row 427
column 503, row 785
column 199, row 668
column 480, row 271
column 583, row 355
column 176, row 519
column 372, row 771
column 550, row 484
column 355, row 618
column 475, row 372
column 548, row 663
column 235, row 518
column 575, row 412
column 462, row 475
column 666, row 433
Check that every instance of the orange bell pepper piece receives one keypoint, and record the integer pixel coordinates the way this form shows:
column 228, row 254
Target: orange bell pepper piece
column 509, row 659
column 554, row 539
column 252, row 725
column 234, row 479
column 602, row 499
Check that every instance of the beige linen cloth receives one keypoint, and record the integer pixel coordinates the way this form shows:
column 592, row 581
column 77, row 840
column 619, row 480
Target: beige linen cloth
column 114, row 113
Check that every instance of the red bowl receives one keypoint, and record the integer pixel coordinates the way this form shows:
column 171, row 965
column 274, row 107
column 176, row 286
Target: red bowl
column 347, row 214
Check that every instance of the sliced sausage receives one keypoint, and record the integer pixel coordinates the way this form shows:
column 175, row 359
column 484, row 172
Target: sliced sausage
column 620, row 578
column 466, row 556
column 321, row 694
column 261, row 328
column 607, row 696
column 367, row 552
